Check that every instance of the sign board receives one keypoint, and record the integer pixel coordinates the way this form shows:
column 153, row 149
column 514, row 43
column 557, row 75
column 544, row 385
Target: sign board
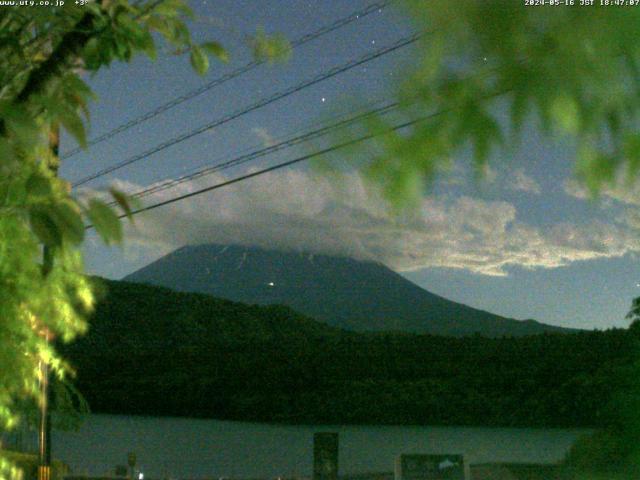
column 325, row 456
column 431, row 467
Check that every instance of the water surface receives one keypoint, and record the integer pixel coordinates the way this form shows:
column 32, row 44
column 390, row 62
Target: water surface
column 193, row 448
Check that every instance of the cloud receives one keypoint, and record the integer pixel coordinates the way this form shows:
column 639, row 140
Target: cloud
column 297, row 210
column 574, row 189
column 619, row 192
column 520, row 181
column 488, row 174
column 510, row 179
column 264, row 135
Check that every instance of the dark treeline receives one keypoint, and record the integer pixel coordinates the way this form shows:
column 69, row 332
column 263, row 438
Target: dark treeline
column 157, row 352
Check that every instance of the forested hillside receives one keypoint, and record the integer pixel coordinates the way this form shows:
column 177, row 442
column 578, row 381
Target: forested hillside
column 154, row 351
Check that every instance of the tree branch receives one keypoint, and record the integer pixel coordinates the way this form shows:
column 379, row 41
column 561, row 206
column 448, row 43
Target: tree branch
column 71, row 44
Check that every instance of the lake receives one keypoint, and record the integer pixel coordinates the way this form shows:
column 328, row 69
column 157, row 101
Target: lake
column 194, row 448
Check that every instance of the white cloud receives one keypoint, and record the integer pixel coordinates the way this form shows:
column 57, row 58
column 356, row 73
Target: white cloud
column 619, row 192
column 297, row 210
column 574, row 189
column 263, row 134
column 488, row 174
column 510, row 179
column 520, row 181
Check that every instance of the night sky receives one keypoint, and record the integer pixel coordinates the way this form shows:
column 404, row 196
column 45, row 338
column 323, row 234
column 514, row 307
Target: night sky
column 524, row 242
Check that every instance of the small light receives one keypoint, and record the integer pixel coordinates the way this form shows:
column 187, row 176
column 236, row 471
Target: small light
column 324, row 99
column 140, row 476
column 271, row 284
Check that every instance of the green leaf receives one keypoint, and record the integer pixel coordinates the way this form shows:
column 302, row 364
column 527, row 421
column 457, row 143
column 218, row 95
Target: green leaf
column 565, row 114
column 76, row 88
column 38, row 185
column 122, row 47
column 73, row 123
column 105, row 221
column 216, row 49
column 122, row 199
column 199, row 60
column 182, row 34
column 595, row 168
column 273, row 48
column 632, row 156
column 128, row 24
column 148, row 46
column 405, row 187
column 21, row 124
column 43, row 225
column 160, row 25
column 117, row 8
column 92, row 54
column 94, row 7
column 172, row 8
column 66, row 215
column 6, row 153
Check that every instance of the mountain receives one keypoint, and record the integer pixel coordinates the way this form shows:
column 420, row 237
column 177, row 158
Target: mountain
column 153, row 351
column 343, row 292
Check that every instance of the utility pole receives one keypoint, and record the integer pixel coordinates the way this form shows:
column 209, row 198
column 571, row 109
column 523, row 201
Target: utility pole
column 44, row 433
column 44, row 430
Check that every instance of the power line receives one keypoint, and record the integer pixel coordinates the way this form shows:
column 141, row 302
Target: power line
column 244, row 158
column 261, row 103
column 303, row 158
column 278, row 166
column 249, row 154
column 229, row 76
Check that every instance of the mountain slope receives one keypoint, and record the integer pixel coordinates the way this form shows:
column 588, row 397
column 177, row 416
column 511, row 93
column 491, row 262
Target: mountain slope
column 352, row 294
column 152, row 351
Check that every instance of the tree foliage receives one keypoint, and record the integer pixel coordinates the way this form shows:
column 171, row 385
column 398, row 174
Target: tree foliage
column 44, row 52
column 154, row 351
column 487, row 68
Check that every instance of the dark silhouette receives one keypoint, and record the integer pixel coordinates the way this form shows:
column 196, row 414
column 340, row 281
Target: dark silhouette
column 352, row 294
column 154, row 351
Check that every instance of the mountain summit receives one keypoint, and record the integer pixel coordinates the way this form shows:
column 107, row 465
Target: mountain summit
column 352, row 294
